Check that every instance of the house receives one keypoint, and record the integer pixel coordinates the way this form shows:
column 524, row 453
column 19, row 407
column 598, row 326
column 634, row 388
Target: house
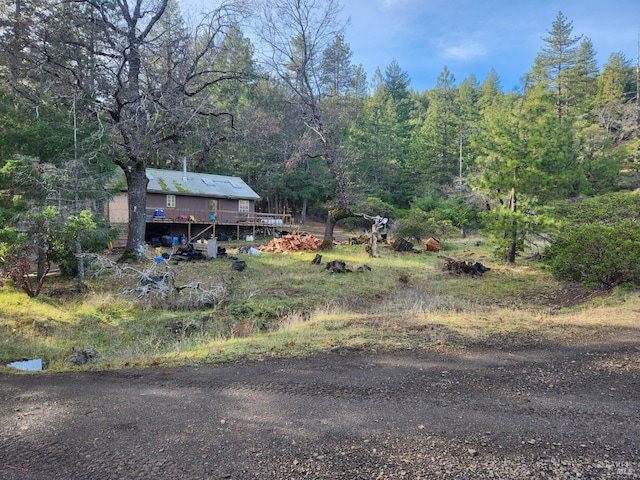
column 197, row 205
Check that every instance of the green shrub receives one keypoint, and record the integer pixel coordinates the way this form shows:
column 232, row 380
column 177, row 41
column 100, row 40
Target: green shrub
column 418, row 224
column 599, row 244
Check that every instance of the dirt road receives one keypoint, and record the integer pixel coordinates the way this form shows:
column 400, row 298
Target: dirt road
column 554, row 412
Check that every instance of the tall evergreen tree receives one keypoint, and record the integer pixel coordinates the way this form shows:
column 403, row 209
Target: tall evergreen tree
column 360, row 83
column 489, row 90
column 528, row 158
column 555, row 60
column 582, row 79
column 469, row 115
column 616, row 112
column 376, row 147
column 616, row 83
column 337, row 72
column 396, row 82
column 435, row 147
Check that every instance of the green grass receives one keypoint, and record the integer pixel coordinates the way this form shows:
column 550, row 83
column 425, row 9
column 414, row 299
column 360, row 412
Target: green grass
column 282, row 305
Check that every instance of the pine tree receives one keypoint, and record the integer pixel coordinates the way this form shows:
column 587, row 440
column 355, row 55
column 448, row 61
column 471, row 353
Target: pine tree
column 557, row 58
column 337, row 72
column 582, row 80
column 435, row 147
column 376, row 147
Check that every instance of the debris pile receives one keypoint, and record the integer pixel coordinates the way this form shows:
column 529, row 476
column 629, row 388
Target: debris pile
column 359, row 240
column 188, row 253
column 469, row 267
column 293, row 243
column 239, row 265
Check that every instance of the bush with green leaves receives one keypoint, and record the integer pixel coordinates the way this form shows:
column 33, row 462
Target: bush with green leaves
column 599, row 244
column 458, row 210
column 51, row 239
column 93, row 233
column 418, row 224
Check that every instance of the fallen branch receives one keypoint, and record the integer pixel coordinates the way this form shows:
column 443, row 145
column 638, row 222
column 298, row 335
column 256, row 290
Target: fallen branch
column 19, row 469
column 152, row 285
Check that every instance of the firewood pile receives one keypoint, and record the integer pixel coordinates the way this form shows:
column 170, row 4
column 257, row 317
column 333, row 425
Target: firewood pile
column 292, row 243
column 359, row 240
column 468, row 267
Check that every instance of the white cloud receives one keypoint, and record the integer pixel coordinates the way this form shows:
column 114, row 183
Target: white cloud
column 391, row 4
column 465, row 52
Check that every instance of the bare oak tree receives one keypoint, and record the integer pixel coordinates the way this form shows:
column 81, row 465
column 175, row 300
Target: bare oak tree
column 148, row 74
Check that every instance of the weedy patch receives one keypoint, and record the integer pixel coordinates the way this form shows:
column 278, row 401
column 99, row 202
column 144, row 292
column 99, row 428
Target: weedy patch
column 286, row 304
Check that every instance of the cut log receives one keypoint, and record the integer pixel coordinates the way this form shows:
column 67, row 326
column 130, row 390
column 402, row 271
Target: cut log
column 467, row 267
column 338, row 266
column 431, row 245
column 402, row 245
column 359, row 240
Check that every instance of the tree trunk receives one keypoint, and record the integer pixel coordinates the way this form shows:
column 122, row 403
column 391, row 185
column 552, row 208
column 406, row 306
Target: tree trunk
column 511, row 255
column 80, row 266
column 303, row 213
column 333, row 217
column 41, row 268
column 137, row 193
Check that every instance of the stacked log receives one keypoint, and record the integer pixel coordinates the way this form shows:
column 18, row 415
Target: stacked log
column 359, row 240
column 292, row 243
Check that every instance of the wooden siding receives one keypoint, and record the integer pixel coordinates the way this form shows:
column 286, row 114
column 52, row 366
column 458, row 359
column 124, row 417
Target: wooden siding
column 194, row 209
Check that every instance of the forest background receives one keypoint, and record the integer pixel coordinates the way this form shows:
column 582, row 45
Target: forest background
column 88, row 88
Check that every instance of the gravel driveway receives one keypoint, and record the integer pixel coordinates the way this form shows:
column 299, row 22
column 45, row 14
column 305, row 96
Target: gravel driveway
column 555, row 412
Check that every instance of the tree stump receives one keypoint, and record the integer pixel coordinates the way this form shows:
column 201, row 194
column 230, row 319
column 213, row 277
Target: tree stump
column 431, row 245
column 239, row 265
column 468, row 267
column 402, row 245
column 338, row 266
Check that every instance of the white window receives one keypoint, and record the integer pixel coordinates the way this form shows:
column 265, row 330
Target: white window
column 171, row 201
column 243, row 206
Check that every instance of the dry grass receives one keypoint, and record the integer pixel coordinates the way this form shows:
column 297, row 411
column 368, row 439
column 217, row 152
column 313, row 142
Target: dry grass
column 283, row 305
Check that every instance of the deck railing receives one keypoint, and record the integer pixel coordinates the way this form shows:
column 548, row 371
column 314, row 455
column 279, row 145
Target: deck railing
column 220, row 217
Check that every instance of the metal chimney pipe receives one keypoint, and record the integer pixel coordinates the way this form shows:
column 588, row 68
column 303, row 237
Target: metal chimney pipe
column 184, row 168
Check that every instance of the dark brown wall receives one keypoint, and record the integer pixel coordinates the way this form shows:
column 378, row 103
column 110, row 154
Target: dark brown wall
column 190, row 205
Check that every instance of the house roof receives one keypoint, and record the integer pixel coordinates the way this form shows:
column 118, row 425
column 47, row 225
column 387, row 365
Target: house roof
column 198, row 184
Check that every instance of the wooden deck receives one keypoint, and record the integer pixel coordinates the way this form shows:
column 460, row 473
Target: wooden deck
column 202, row 224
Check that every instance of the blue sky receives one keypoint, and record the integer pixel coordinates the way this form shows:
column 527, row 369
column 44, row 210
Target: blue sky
column 471, row 36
